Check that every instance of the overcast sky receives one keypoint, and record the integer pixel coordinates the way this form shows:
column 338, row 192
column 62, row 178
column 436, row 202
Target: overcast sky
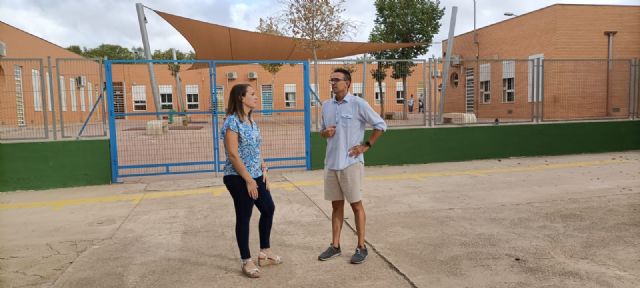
column 89, row 23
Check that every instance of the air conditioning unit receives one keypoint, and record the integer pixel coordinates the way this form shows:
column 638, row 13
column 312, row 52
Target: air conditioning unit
column 232, row 75
column 3, row 49
column 81, row 81
column 253, row 75
column 455, row 60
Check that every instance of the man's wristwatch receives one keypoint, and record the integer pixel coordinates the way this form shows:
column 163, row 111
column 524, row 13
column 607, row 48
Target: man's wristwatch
column 368, row 144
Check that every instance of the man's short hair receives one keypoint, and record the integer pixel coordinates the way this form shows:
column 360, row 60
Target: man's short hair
column 345, row 72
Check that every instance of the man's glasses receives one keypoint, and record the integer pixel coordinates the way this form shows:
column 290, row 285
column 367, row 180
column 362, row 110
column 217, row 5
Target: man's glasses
column 335, row 80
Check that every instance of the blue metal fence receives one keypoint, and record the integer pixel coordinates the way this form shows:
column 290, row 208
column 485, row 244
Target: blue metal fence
column 147, row 142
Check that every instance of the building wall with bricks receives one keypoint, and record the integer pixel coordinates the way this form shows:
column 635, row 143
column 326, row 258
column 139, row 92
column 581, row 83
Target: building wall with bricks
column 578, row 79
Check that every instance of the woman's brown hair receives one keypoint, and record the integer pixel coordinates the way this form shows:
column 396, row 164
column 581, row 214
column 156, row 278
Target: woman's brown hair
column 235, row 101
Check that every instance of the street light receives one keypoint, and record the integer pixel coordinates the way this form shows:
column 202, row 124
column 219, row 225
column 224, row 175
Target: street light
column 510, row 14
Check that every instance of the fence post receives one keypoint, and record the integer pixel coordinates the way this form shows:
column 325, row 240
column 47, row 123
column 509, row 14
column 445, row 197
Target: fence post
column 635, row 87
column 51, row 97
column 104, row 114
column 43, row 99
column 541, row 91
column 214, row 116
column 60, row 90
column 112, row 124
column 307, row 116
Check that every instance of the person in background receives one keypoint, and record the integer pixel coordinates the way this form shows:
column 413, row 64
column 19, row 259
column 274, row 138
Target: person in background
column 410, row 104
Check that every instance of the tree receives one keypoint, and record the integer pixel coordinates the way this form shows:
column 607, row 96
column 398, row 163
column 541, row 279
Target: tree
column 76, row 49
column 113, row 52
column 405, row 21
column 270, row 26
column 379, row 74
column 168, row 55
column 316, row 21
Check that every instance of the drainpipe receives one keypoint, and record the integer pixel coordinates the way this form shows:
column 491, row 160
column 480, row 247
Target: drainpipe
column 476, row 73
column 610, row 35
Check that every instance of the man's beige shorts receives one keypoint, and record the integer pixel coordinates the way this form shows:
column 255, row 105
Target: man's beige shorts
column 344, row 184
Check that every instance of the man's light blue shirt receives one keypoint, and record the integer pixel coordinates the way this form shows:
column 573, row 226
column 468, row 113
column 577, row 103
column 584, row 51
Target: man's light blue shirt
column 349, row 116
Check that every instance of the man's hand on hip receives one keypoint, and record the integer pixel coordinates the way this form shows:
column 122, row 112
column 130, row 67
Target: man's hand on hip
column 357, row 150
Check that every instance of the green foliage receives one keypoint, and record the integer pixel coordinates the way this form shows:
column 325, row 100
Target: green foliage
column 117, row 52
column 113, row 52
column 168, row 55
column 401, row 21
column 317, row 21
column 270, row 26
column 75, row 49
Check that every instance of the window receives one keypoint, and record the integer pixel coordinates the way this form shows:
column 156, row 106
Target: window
column 166, row 97
column 376, row 91
column 192, row 97
column 139, row 97
column 454, row 79
column 219, row 98
column 83, row 106
column 72, row 88
column 37, row 92
column 357, row 89
column 315, row 97
column 90, row 94
column 508, row 81
column 399, row 93
column 290, row 95
column 17, row 69
column 63, row 95
column 485, row 83
column 267, row 100
column 508, row 92
column 485, row 91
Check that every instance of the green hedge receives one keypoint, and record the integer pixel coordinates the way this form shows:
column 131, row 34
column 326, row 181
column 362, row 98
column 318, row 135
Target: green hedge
column 420, row 145
column 45, row 165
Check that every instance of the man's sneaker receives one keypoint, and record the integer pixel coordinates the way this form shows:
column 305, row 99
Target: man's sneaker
column 359, row 256
column 329, row 253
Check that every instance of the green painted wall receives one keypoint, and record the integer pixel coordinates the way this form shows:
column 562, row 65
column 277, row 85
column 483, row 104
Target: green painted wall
column 416, row 146
column 45, row 165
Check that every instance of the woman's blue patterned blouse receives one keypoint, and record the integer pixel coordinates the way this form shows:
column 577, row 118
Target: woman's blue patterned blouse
column 249, row 141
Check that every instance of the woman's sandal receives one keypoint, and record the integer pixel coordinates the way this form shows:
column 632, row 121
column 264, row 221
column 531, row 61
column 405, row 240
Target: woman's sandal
column 250, row 272
column 265, row 259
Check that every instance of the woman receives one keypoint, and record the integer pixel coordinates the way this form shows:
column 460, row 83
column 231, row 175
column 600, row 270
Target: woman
column 245, row 176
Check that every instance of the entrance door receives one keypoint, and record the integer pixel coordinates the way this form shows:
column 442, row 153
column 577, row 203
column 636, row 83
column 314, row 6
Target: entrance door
column 267, row 100
column 118, row 98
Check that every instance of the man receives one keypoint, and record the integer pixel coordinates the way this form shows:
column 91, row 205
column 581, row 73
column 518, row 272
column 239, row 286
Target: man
column 343, row 123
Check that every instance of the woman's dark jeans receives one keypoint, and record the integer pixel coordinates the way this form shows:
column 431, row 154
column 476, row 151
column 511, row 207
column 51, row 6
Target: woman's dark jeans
column 244, row 206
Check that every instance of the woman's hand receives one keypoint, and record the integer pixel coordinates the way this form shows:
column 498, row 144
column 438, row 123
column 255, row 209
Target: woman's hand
column 252, row 187
column 264, row 176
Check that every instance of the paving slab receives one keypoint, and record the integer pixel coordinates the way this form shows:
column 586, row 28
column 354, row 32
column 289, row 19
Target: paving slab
column 563, row 221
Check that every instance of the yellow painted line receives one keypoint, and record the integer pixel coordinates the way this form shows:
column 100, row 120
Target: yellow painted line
column 288, row 186
column 484, row 172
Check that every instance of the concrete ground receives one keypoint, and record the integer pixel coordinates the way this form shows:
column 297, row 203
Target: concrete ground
column 566, row 221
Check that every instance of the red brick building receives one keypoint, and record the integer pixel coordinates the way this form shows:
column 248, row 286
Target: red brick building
column 587, row 52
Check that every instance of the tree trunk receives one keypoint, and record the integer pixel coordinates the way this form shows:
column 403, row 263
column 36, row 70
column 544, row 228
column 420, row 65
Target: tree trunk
column 405, row 114
column 381, row 99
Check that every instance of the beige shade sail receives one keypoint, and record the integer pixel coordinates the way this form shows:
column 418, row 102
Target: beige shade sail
column 217, row 42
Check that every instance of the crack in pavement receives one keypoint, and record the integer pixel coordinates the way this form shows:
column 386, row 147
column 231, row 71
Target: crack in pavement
column 371, row 246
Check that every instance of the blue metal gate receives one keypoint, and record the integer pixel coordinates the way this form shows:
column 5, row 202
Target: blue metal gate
column 182, row 135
